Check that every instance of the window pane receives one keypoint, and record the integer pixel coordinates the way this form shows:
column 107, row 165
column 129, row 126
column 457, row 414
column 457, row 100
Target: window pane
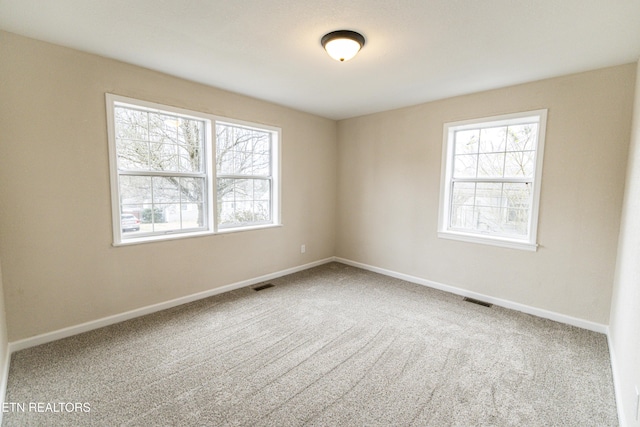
column 193, row 215
column 225, row 190
column 467, row 141
column 465, row 166
column 517, row 202
column 166, row 190
column 163, row 157
column 163, row 128
column 491, row 207
column 192, row 190
column 462, row 217
column 517, row 221
column 261, row 164
column 163, row 203
column 520, row 164
column 491, row 165
column 493, row 140
column 166, row 216
column 243, row 201
column 223, row 139
column 463, row 193
column 132, row 154
column 489, row 194
column 488, row 219
column 130, row 222
column 131, row 124
column 522, row 137
column 243, row 189
column 225, row 213
column 517, row 195
column 244, row 212
column 262, row 189
column 230, row 146
column 224, row 162
column 190, row 132
column 135, row 189
column 243, row 151
column 132, row 209
column 262, row 211
column 158, row 142
column 189, row 158
column 262, row 144
column 242, row 163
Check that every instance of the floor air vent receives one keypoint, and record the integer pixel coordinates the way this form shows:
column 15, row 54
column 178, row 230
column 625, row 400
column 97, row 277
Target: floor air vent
column 475, row 301
column 265, row 286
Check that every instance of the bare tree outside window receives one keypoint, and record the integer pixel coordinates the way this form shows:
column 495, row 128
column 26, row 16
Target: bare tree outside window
column 244, row 175
column 162, row 179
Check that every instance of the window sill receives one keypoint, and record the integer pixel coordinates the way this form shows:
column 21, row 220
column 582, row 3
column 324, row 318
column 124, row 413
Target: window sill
column 170, row 236
column 488, row 240
column 248, row 228
column 161, row 238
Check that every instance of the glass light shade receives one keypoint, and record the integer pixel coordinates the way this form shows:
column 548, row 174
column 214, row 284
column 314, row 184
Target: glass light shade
column 342, row 49
column 342, row 45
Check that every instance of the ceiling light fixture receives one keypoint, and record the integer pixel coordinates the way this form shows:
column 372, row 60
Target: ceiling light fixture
column 342, row 45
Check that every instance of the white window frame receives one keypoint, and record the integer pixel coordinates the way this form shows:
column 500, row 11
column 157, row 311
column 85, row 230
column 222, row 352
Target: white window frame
column 273, row 177
column 528, row 242
column 210, row 174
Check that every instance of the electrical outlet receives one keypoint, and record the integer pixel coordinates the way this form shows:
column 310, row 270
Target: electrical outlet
column 303, row 249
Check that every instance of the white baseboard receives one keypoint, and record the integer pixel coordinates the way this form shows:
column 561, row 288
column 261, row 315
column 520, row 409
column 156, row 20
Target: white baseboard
column 616, row 382
column 546, row 314
column 117, row 318
column 110, row 320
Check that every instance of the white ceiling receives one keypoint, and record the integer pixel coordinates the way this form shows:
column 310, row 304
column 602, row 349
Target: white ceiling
column 416, row 50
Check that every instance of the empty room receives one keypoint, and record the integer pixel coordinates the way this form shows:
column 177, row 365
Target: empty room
column 287, row 213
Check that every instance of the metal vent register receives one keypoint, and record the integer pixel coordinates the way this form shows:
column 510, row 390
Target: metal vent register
column 265, row 286
column 476, row 301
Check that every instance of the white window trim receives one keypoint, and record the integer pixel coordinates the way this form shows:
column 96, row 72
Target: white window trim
column 209, row 160
column 529, row 242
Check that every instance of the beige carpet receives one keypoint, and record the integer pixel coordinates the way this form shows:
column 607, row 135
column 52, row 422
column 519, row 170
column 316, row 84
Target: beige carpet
column 330, row 346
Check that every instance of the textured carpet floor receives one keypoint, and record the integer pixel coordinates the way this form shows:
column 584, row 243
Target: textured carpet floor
column 330, row 346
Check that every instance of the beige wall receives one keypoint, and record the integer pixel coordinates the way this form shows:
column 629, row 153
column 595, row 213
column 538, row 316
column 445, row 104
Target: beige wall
column 59, row 267
column 389, row 183
column 625, row 308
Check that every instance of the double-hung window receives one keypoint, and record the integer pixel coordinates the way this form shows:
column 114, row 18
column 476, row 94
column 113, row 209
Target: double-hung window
column 245, row 175
column 169, row 165
column 490, row 186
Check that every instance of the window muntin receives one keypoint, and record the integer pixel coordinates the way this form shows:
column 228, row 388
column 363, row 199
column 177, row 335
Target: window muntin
column 491, row 175
column 165, row 173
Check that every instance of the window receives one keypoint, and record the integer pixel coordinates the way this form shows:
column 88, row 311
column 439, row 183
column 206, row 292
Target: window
column 490, row 186
column 166, row 173
column 244, row 175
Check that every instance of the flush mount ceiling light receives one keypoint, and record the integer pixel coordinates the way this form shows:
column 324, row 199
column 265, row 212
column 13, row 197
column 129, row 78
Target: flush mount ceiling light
column 342, row 45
